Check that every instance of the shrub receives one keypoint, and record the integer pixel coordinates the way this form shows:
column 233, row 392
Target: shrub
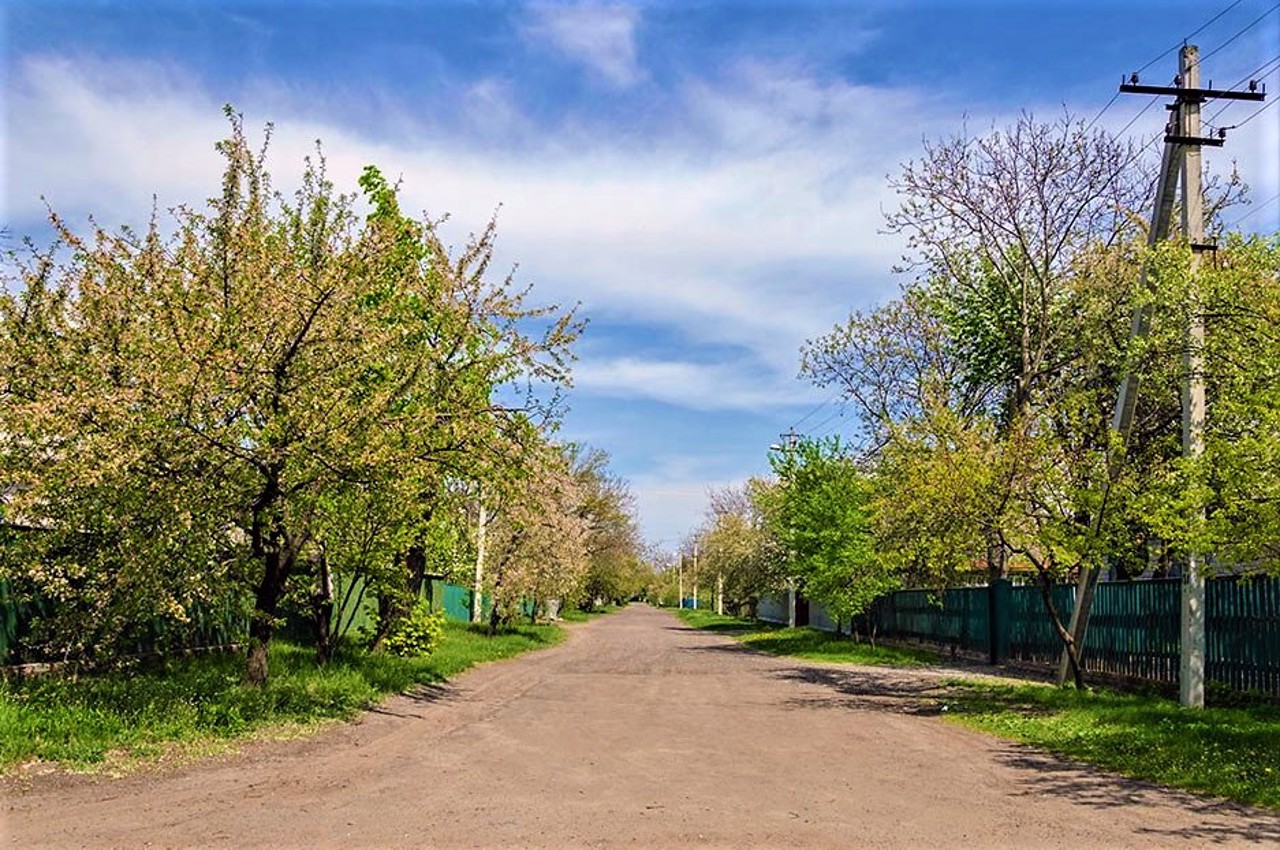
column 416, row 634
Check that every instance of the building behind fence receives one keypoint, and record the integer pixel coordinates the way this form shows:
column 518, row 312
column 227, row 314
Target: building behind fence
column 1133, row 629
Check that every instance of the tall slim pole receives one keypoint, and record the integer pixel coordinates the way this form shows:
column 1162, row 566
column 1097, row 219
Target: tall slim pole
column 1191, row 680
column 1127, row 395
column 695, row 576
column 720, row 594
column 680, row 572
column 477, row 586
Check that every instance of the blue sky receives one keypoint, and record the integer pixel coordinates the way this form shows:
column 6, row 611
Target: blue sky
column 707, row 178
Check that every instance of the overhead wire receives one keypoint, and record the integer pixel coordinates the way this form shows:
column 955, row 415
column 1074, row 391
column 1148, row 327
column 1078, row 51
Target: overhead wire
column 1189, row 36
column 1138, row 151
column 1141, row 112
column 808, row 415
column 1250, row 26
column 1256, row 208
column 834, row 415
column 1251, row 116
column 1256, row 75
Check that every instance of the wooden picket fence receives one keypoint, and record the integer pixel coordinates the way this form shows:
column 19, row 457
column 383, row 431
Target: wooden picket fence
column 1133, row 627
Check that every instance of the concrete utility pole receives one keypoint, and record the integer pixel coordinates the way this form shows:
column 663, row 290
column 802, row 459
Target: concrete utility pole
column 719, row 594
column 1127, row 395
column 695, row 576
column 477, row 586
column 1181, row 154
column 680, row 572
column 1191, row 670
column 788, row 445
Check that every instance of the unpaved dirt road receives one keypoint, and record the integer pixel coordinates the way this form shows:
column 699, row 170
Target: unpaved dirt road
column 637, row 732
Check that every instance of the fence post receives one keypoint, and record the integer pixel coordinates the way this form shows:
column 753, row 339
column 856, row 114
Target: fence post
column 998, row 591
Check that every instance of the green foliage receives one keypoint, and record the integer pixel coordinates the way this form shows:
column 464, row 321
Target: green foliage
column 819, row 512
column 577, row 615
column 417, row 633
column 1227, row 501
column 181, row 433
column 1226, row 752
column 191, row 703
column 738, row 547
column 616, row 570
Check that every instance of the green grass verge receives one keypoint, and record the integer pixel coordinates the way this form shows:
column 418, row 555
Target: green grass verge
column 1226, row 752
column 577, row 615
column 805, row 642
column 196, row 704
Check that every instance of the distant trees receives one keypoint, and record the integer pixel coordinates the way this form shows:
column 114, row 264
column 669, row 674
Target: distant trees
column 281, row 392
column 739, row 548
column 820, row 514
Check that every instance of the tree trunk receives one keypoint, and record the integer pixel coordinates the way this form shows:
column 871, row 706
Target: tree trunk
column 416, row 561
column 997, row 557
column 273, row 545
column 277, row 564
column 398, row 600
column 1068, row 641
column 322, row 610
column 1085, row 588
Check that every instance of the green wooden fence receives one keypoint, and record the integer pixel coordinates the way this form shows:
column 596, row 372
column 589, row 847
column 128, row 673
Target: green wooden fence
column 228, row 623
column 1133, row 626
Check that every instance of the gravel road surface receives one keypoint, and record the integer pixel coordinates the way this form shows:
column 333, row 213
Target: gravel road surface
column 636, row 732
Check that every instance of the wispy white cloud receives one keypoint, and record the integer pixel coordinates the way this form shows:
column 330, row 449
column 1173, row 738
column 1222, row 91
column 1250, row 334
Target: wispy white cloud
column 744, row 221
column 748, row 234
column 600, row 36
column 672, row 495
column 696, row 386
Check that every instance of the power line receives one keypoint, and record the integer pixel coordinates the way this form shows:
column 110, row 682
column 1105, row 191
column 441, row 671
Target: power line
column 1256, row 75
column 1252, row 115
column 1253, row 75
column 802, row 419
column 1268, row 202
column 834, row 415
column 1134, row 119
column 1189, row 36
column 1253, row 24
column 1101, row 111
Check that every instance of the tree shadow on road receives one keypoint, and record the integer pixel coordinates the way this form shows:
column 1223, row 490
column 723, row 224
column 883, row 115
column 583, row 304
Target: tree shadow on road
column 410, row 702
column 867, row 690
column 732, row 628
column 1046, row 774
column 1040, row 773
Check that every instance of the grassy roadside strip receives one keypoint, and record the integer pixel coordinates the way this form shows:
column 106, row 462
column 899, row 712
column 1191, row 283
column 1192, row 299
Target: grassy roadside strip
column 807, row 643
column 196, row 706
column 577, row 615
column 1226, row 752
